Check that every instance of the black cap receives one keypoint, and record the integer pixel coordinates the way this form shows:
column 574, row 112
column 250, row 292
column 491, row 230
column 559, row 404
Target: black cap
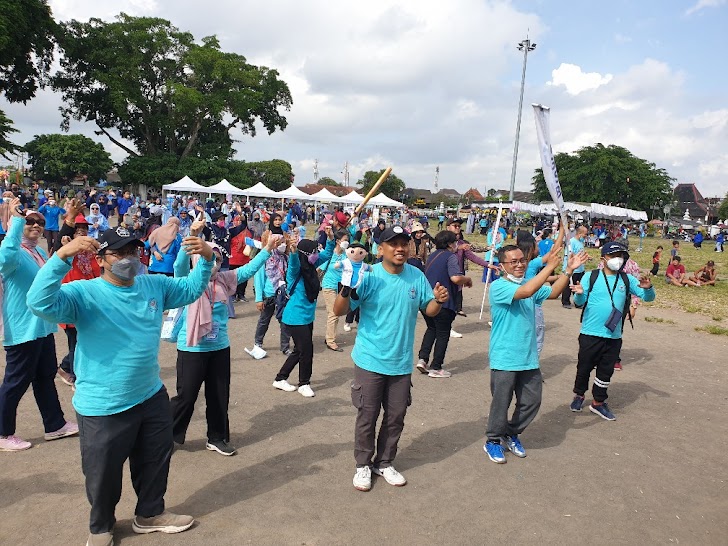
column 357, row 245
column 392, row 233
column 453, row 221
column 217, row 215
column 114, row 239
column 614, row 248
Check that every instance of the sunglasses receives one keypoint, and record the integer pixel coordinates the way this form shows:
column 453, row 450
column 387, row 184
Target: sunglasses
column 34, row 221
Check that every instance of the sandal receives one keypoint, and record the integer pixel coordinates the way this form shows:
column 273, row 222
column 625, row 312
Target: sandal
column 337, row 348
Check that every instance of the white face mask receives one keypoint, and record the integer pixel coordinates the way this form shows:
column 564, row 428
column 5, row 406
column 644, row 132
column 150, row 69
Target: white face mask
column 513, row 278
column 344, row 245
column 615, row 264
column 281, row 248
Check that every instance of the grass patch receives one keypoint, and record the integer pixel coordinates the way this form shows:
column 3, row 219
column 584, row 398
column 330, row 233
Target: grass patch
column 715, row 330
column 717, row 318
column 660, row 320
column 690, row 308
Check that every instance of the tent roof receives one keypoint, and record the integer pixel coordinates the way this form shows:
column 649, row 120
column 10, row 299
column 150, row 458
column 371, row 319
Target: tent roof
column 260, row 190
column 352, row 197
column 293, row 193
column 326, row 195
column 185, row 184
column 225, row 187
column 381, row 200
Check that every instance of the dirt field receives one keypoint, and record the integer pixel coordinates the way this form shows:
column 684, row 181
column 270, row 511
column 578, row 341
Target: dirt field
column 657, row 475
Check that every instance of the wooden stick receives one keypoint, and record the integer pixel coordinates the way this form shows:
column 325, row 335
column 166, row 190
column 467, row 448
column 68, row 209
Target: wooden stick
column 371, row 192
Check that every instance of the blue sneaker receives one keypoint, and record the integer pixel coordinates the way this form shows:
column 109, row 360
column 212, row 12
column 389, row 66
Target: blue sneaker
column 577, row 403
column 495, row 452
column 602, row 411
column 515, row 447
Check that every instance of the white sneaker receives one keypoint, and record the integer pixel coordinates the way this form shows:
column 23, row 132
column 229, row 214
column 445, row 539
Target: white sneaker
column 453, row 333
column 439, row 373
column 284, row 385
column 391, row 475
column 422, row 366
column 347, row 327
column 306, row 391
column 257, row 352
column 363, row 478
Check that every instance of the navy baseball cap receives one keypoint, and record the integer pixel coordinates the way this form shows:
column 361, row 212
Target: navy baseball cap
column 614, row 248
column 392, row 233
column 114, row 239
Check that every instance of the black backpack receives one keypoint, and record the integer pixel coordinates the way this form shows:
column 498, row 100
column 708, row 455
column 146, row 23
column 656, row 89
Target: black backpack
column 627, row 299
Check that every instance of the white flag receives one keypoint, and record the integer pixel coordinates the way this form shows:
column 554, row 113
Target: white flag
column 543, row 131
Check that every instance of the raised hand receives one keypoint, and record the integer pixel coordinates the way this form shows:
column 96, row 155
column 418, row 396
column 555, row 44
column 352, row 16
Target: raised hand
column 197, row 226
column 646, row 280
column 577, row 288
column 195, row 245
column 577, row 260
column 273, row 241
column 77, row 245
column 440, row 292
column 15, row 207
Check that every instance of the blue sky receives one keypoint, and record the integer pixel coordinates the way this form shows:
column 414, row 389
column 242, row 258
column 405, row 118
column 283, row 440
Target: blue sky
column 417, row 84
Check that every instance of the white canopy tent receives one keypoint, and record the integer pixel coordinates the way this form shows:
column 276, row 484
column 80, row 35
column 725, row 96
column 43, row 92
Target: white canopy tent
column 352, row 197
column 225, row 187
column 260, row 190
column 185, row 184
column 381, row 200
column 325, row 196
column 293, row 193
column 595, row 210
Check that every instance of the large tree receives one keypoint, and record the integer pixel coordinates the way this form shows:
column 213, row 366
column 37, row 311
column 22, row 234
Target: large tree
column 392, row 187
column 723, row 208
column 609, row 175
column 326, row 181
column 59, row 158
column 27, row 36
column 163, row 92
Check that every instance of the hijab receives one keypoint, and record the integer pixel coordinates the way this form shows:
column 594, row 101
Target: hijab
column 273, row 229
column 165, row 235
column 310, row 278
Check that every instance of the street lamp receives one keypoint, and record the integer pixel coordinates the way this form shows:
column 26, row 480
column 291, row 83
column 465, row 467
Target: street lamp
column 524, row 46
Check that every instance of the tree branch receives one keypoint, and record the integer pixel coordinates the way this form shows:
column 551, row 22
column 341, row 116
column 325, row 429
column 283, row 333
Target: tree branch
column 193, row 138
column 112, row 139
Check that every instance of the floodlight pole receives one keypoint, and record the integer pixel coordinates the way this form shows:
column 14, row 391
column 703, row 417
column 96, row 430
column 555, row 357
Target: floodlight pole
column 524, row 46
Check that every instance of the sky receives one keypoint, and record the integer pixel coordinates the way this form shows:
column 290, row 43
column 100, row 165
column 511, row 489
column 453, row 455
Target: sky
column 417, row 84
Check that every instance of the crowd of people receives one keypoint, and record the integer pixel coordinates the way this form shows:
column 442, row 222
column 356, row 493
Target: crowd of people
column 196, row 257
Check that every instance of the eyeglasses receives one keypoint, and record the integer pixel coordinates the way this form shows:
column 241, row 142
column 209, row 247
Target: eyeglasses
column 514, row 263
column 34, row 221
column 124, row 254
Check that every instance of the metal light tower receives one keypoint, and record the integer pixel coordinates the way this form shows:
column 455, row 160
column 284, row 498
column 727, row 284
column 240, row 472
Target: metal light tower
column 315, row 171
column 437, row 178
column 345, row 172
column 524, row 46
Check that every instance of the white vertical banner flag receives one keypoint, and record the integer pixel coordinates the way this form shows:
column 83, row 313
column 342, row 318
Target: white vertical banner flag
column 543, row 132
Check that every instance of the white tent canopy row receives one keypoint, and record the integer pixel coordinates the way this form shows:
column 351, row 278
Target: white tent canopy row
column 186, row 184
column 595, row 210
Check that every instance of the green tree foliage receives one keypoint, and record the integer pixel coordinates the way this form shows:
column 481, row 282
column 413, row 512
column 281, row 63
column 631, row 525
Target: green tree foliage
column 392, row 187
column 27, row 36
column 610, row 175
column 723, row 208
column 162, row 91
column 275, row 174
column 326, row 181
column 58, row 158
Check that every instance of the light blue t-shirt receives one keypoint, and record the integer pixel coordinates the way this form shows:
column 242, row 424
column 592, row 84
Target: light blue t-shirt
column 599, row 307
column 18, row 269
column 218, row 337
column 544, row 246
column 534, row 268
column 51, row 215
column 116, row 361
column 166, row 265
column 500, row 240
column 575, row 246
column 388, row 306
column 299, row 310
column 332, row 277
column 513, row 335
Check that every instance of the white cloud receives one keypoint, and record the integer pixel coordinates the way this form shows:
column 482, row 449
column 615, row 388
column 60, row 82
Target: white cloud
column 701, row 4
column 575, row 81
column 622, row 39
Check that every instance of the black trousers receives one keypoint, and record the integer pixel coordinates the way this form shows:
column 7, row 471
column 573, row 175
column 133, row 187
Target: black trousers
column 352, row 316
column 302, row 354
column 566, row 294
column 142, row 434
column 437, row 334
column 458, row 295
column 600, row 353
column 30, row 363
column 67, row 362
column 193, row 369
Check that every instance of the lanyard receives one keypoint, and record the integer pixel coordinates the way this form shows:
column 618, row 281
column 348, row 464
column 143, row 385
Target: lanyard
column 613, row 289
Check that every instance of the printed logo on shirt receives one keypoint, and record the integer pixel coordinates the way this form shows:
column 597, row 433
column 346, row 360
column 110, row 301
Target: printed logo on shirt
column 412, row 293
column 620, row 288
column 153, row 305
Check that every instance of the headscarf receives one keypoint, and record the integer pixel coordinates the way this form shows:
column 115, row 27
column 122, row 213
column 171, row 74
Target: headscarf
column 164, row 236
column 256, row 227
column 273, row 229
column 310, row 278
column 199, row 313
column 30, row 245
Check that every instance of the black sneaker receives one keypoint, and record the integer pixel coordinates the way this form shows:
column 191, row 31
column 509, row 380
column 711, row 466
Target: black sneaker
column 222, row 447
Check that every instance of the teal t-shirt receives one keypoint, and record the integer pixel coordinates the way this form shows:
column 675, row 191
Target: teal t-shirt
column 513, row 335
column 534, row 268
column 599, row 307
column 575, row 246
column 18, row 269
column 299, row 310
column 116, row 361
column 388, row 306
column 332, row 277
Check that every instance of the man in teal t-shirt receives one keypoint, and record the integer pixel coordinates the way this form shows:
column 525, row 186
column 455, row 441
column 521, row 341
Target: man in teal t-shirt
column 513, row 354
column 122, row 405
column 390, row 297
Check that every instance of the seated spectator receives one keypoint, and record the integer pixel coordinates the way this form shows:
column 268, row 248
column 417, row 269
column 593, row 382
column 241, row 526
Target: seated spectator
column 705, row 275
column 675, row 274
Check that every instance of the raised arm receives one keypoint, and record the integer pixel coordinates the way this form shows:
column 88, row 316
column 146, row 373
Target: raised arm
column 10, row 248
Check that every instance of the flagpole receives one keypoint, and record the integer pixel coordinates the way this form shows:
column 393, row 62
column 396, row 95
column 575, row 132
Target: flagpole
column 492, row 254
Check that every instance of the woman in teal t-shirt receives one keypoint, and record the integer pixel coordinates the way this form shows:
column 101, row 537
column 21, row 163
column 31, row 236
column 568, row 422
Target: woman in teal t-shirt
column 203, row 349
column 330, row 286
